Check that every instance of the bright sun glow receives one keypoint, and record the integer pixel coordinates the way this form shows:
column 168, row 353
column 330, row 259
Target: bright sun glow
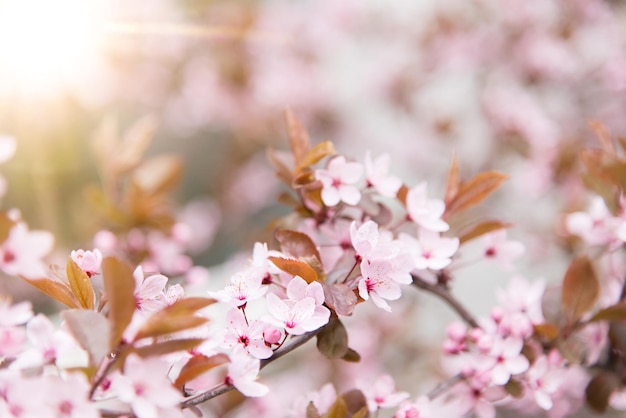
column 45, row 43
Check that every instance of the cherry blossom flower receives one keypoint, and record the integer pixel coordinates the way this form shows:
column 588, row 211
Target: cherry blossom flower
column 377, row 284
column 497, row 248
column 49, row 346
column 523, row 297
column 145, row 386
column 69, row 397
column 543, row 381
column 249, row 336
column 419, row 409
column 297, row 317
column 364, row 238
column 17, row 400
column 477, row 396
column 243, row 372
column 322, row 399
column 382, row 394
column 430, row 251
column 596, row 226
column 23, row 250
column 149, row 295
column 338, row 182
column 242, row 287
column 424, row 211
column 16, row 314
column 88, row 261
column 377, row 177
column 506, row 354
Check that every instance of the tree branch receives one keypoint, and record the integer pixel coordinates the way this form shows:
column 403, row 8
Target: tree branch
column 443, row 292
column 222, row 388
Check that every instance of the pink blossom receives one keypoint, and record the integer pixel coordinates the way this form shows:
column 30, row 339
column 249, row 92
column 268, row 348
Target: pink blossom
column 543, row 381
column 145, row 386
column 424, row 211
column 523, row 297
column 430, row 251
column 49, row 346
column 248, row 336
column 69, row 397
column 596, row 226
column 243, row 372
column 149, row 295
column 17, row 400
column 475, row 395
column 364, row 238
column 88, row 261
column 242, row 287
column 297, row 317
column 506, row 354
column 174, row 293
column 419, row 409
column 338, row 182
column 322, row 400
column 496, row 247
column 272, row 335
column 23, row 250
column 377, row 284
column 16, row 314
column 382, row 394
column 376, row 175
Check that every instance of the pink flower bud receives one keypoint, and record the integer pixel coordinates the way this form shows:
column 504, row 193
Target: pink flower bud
column 272, row 335
column 456, row 331
column 88, row 261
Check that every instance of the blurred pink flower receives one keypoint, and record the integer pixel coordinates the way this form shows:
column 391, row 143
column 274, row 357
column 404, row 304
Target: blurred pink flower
column 382, row 394
column 377, row 177
column 496, row 247
column 424, row 211
column 243, row 372
column 430, row 250
column 23, row 250
column 89, row 261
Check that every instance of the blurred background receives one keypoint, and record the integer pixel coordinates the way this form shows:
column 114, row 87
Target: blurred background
column 503, row 84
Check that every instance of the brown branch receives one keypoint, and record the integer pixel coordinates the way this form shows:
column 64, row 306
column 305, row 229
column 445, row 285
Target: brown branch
column 444, row 386
column 222, row 388
column 443, row 293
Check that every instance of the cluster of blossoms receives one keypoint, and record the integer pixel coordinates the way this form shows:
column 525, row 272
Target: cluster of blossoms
column 134, row 343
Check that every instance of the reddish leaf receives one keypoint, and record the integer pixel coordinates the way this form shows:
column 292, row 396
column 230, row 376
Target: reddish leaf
column 197, row 366
column 167, row 347
column 580, row 289
column 295, row 267
column 402, row 193
column 605, row 166
column 91, row 331
column 136, row 141
column 55, row 289
column 80, row 283
column 159, row 174
column 177, row 317
column 351, row 356
column 296, row 244
column 599, row 390
column 282, row 171
column 298, row 137
column 337, row 409
column 603, row 136
column 340, row 298
column 454, row 182
column 514, row 388
column 311, row 411
column 315, row 154
column 615, row 312
column 332, row 341
column 547, row 330
column 474, row 191
column 481, row 229
column 119, row 287
column 355, row 401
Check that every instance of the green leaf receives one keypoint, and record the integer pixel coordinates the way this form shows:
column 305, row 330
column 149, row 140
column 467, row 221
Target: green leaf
column 599, row 390
column 166, row 347
column 615, row 312
column 332, row 341
column 197, row 366
column 119, row 288
column 80, row 283
column 91, row 331
column 580, row 288
column 295, row 268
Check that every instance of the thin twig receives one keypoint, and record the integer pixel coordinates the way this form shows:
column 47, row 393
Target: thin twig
column 294, row 343
column 444, row 386
column 443, row 293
